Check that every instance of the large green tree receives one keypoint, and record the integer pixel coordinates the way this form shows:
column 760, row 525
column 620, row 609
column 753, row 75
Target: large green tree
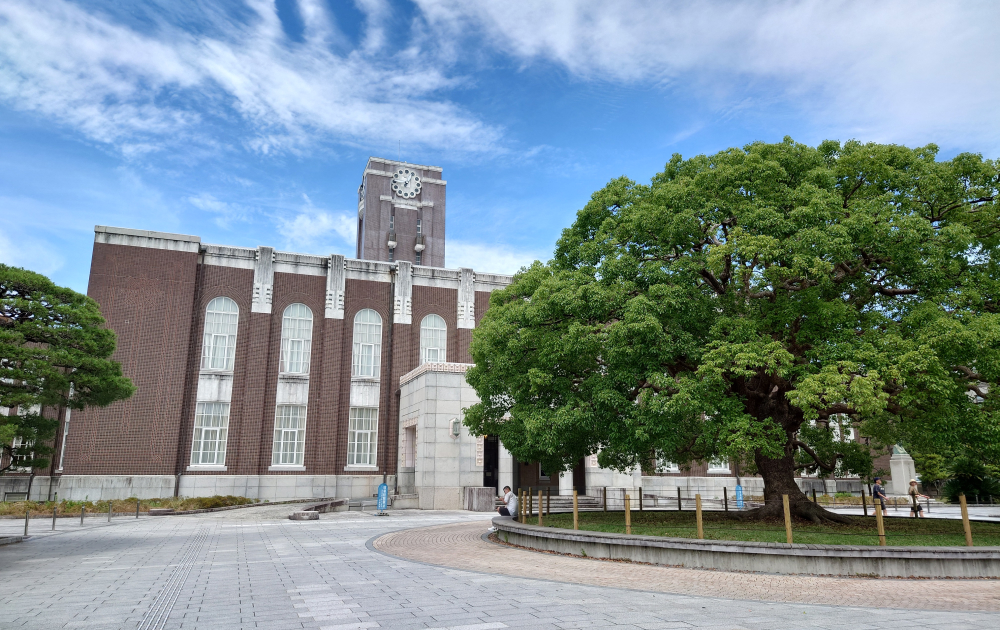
column 54, row 351
column 749, row 303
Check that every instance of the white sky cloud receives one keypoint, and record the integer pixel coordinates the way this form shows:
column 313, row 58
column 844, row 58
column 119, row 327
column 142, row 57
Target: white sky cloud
column 489, row 257
column 316, row 231
column 138, row 90
column 908, row 70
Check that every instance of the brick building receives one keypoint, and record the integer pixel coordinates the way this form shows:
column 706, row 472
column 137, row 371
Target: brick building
column 276, row 375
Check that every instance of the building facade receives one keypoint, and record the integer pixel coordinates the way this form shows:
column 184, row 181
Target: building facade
column 279, row 375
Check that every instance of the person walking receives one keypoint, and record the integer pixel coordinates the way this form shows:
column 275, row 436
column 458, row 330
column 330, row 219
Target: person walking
column 878, row 494
column 915, row 508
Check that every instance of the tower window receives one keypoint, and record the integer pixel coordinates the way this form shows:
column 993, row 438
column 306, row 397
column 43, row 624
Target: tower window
column 392, row 255
column 418, row 227
column 392, row 223
column 420, row 257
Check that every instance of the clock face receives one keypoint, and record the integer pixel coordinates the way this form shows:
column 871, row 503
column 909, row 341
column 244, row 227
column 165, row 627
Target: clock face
column 406, row 183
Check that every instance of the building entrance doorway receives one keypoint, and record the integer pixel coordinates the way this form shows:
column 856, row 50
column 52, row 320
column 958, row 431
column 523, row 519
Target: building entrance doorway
column 491, row 462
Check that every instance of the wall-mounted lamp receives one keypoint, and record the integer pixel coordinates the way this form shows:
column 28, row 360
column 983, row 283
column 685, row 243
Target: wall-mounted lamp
column 456, row 427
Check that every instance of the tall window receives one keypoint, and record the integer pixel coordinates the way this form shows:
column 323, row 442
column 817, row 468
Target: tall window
column 17, row 460
column 211, row 424
column 433, row 336
column 420, row 258
column 219, row 344
column 296, row 339
column 289, row 435
column 362, row 432
column 366, row 359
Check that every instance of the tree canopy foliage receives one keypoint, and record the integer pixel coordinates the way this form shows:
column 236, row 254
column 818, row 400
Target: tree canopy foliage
column 54, row 351
column 756, row 304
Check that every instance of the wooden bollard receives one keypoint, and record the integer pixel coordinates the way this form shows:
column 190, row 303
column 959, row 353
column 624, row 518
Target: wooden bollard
column 879, row 525
column 725, row 498
column 640, row 498
column 531, row 508
column 697, row 516
column 864, row 506
column 965, row 520
column 605, row 493
column 110, row 505
column 520, row 505
column 814, row 495
column 788, row 519
column 540, row 510
column 678, row 499
column 26, row 513
column 82, row 511
column 576, row 511
column 137, row 508
column 548, row 501
column 53, row 518
column 628, row 514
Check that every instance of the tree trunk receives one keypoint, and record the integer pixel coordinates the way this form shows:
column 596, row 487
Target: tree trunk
column 779, row 479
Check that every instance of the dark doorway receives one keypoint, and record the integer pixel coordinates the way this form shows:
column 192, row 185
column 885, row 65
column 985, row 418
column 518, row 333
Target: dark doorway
column 580, row 477
column 491, row 462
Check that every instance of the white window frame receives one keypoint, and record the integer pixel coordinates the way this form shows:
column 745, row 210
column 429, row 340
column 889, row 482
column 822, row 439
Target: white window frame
column 296, row 339
column 433, row 339
column 719, row 465
column 207, row 413
column 218, row 350
column 289, row 444
column 362, row 441
column 18, row 443
column 367, row 345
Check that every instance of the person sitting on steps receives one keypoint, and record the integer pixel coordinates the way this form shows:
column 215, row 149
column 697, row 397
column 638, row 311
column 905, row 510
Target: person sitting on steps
column 510, row 500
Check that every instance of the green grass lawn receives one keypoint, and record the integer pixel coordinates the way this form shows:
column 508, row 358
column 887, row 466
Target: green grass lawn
column 720, row 526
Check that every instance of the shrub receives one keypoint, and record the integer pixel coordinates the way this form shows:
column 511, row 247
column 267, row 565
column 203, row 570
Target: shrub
column 972, row 478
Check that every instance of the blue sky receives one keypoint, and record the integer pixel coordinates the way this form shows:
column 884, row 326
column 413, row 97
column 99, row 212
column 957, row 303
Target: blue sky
column 249, row 123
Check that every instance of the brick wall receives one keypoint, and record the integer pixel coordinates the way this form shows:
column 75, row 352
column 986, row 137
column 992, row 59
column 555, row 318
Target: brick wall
column 146, row 296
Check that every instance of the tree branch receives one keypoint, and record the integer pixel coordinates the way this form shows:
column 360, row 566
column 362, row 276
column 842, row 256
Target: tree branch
column 969, row 373
column 812, row 453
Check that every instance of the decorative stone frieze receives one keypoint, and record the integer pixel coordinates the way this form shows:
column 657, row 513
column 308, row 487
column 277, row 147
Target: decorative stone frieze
column 403, row 299
column 335, row 287
column 467, row 299
column 263, row 280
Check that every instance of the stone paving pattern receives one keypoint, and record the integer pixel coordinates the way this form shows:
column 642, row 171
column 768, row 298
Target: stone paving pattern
column 256, row 569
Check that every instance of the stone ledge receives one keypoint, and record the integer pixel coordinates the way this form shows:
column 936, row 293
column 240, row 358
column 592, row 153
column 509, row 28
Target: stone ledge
column 10, row 540
column 918, row 562
column 304, row 515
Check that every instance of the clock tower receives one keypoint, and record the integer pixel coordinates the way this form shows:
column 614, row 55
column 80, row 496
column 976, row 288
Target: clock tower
column 401, row 213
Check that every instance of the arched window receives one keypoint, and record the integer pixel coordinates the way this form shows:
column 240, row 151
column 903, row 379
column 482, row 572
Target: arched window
column 296, row 339
column 366, row 359
column 219, row 344
column 433, row 336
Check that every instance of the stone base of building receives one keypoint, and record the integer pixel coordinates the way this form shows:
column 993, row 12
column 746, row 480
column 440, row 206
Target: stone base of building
column 263, row 487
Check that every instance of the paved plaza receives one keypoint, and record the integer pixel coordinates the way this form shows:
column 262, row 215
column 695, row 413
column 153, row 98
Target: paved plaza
column 253, row 568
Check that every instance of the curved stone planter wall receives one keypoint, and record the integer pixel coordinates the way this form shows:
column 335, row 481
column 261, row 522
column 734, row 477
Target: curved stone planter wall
column 927, row 562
